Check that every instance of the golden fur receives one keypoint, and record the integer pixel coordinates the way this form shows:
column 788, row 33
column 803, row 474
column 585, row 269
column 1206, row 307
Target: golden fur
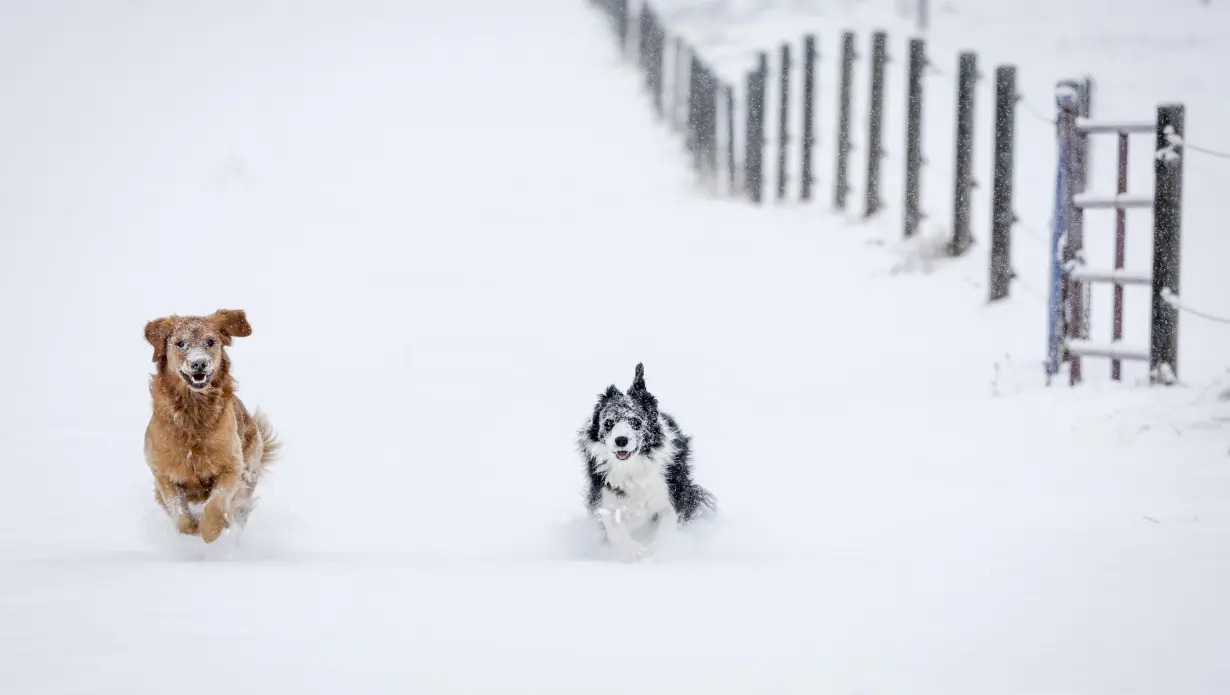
column 201, row 444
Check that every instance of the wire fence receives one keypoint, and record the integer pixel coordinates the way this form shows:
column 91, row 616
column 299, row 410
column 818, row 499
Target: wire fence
column 1174, row 301
column 751, row 137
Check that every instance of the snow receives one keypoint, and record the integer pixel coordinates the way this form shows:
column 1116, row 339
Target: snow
column 452, row 225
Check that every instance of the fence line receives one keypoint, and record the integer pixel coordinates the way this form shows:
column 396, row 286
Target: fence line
column 691, row 99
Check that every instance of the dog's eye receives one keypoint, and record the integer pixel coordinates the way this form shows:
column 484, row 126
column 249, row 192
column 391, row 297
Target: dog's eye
column 181, row 345
column 636, row 424
column 209, row 342
column 609, row 424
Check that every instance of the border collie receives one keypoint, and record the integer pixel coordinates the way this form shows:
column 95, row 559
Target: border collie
column 639, row 467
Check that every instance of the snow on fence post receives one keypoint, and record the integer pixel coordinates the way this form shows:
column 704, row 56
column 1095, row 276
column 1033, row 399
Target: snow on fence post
column 1072, row 253
column 750, row 176
column 731, row 185
column 617, row 15
column 703, row 133
column 840, row 184
column 1121, row 186
column 1002, row 217
column 680, row 69
column 620, row 8
column 809, row 98
column 670, row 80
column 913, row 136
column 753, row 161
column 1076, row 293
column 691, row 131
column 1084, row 110
column 783, row 121
column 658, row 67
column 655, row 60
column 643, row 42
column 1167, row 206
column 963, row 179
column 647, row 48
column 875, row 127
column 686, row 56
column 1058, row 323
column 712, row 87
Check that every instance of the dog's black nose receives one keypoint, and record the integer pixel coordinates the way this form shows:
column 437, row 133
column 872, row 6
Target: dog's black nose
column 199, row 366
column 621, row 441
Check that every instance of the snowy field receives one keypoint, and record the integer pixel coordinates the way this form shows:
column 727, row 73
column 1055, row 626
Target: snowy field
column 452, row 225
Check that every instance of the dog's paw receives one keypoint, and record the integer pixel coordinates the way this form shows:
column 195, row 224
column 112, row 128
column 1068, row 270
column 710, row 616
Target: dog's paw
column 633, row 553
column 628, row 550
column 187, row 525
column 213, row 522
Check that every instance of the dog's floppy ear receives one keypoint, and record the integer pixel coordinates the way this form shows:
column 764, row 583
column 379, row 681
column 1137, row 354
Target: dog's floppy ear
column 157, row 332
column 611, row 392
column 232, row 323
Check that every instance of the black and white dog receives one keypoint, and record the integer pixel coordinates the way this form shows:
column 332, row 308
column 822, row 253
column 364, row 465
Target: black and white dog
column 639, row 467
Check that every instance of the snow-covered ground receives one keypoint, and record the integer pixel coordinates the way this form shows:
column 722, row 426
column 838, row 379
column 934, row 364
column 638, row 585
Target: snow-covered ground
column 452, row 225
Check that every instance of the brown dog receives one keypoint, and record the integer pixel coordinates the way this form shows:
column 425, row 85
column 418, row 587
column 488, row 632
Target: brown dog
column 201, row 444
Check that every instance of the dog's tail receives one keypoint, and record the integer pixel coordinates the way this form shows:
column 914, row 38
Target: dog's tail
column 705, row 502
column 269, row 439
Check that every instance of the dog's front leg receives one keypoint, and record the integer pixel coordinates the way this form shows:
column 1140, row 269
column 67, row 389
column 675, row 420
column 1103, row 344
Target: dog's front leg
column 174, row 502
column 217, row 514
column 215, row 517
column 617, row 533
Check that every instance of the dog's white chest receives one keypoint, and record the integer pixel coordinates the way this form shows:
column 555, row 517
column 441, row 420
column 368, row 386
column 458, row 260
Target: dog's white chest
column 636, row 488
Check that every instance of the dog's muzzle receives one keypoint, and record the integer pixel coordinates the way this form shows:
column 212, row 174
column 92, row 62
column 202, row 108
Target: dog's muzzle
column 199, row 369
column 197, row 380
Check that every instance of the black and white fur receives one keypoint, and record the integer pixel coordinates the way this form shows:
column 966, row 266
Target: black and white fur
column 639, row 467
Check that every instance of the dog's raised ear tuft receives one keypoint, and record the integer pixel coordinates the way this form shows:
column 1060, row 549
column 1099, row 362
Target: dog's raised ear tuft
column 232, row 322
column 640, row 393
column 638, row 381
column 157, row 332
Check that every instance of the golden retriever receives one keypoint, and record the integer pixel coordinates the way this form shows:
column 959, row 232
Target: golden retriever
column 201, row 444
